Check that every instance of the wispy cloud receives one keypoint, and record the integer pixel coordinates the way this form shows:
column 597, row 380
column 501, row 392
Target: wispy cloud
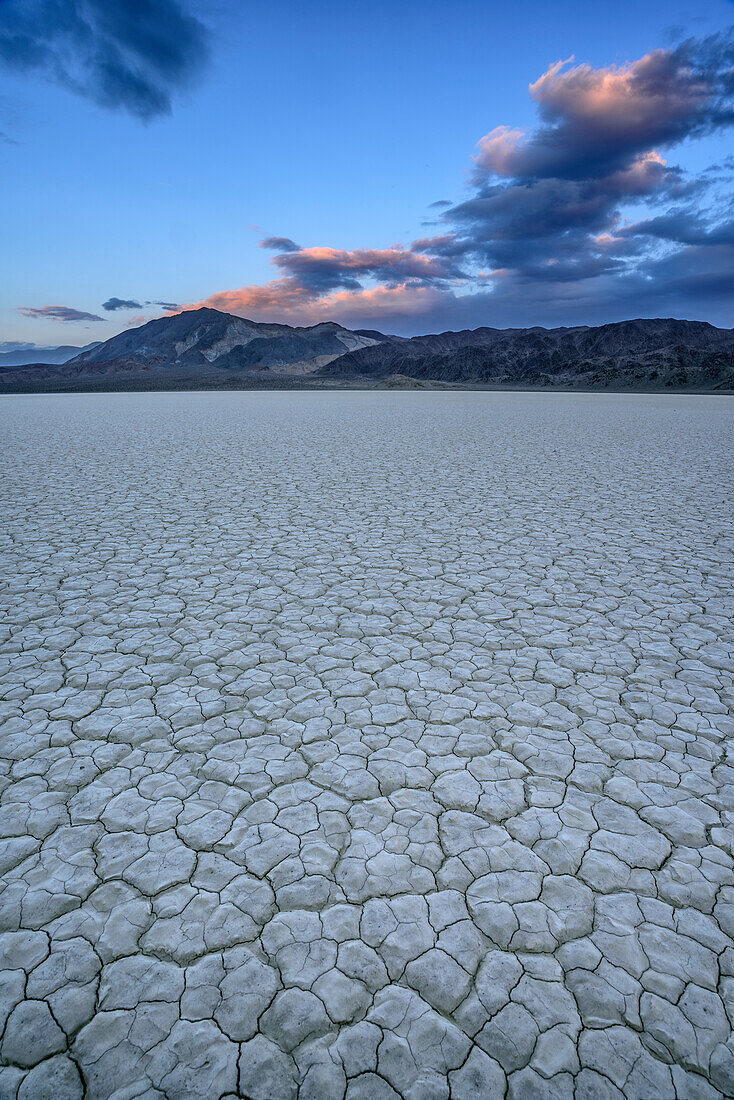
column 123, row 54
column 58, row 313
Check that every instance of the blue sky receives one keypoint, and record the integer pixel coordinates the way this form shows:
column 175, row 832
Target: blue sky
column 336, row 126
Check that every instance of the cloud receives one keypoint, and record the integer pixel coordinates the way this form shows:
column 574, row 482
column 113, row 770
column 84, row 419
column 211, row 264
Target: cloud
column 7, row 140
column 697, row 278
column 320, row 280
column 548, row 208
column 58, row 313
column 597, row 121
column 521, row 224
column 324, row 269
column 120, row 303
column 123, row 54
column 687, row 227
column 276, row 298
column 506, row 211
column 113, row 304
column 280, row 244
column 581, row 219
column 278, row 302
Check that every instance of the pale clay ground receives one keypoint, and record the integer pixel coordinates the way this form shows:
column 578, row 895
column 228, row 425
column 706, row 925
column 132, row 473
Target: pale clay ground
column 366, row 746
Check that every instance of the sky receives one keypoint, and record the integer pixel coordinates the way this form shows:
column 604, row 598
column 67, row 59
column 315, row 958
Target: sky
column 393, row 164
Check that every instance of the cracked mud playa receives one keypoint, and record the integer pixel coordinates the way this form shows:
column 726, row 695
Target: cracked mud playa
column 367, row 746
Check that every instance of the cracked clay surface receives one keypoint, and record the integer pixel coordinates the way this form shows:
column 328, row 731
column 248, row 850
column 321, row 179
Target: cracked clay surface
column 364, row 745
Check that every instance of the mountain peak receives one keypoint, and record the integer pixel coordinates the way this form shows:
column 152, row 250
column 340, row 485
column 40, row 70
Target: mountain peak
column 201, row 336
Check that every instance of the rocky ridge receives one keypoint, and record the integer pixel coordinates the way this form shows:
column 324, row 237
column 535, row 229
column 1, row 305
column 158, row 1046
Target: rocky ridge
column 630, row 354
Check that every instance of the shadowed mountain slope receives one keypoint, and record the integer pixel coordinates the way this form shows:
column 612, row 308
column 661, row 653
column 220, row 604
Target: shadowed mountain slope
column 643, row 353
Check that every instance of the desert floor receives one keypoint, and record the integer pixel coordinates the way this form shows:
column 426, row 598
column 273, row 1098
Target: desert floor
column 366, row 745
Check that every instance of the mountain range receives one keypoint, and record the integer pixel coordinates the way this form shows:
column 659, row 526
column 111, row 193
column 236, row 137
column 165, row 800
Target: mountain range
column 649, row 354
column 22, row 356
column 205, row 348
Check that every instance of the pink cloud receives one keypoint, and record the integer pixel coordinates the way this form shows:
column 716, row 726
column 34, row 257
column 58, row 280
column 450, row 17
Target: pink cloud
column 331, row 267
column 598, row 120
column 498, row 148
column 324, row 283
column 279, row 300
column 648, row 95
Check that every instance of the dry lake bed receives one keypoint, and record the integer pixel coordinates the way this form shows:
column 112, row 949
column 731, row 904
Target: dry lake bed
column 366, row 745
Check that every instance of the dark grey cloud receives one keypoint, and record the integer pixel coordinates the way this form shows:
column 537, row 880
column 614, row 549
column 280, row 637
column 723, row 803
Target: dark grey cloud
column 552, row 227
column 538, row 210
column 439, row 203
column 113, row 304
column 699, row 277
column 58, row 313
column 682, row 226
column 127, row 54
column 280, row 244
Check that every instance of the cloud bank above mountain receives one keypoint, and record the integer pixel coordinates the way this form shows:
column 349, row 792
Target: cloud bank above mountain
column 582, row 217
